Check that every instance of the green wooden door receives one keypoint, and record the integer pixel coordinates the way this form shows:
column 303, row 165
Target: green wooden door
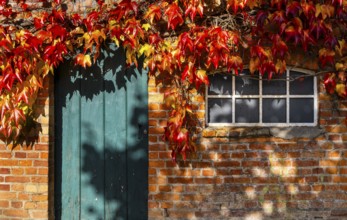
column 101, row 142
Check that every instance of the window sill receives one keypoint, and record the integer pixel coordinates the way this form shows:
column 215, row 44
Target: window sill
column 280, row 132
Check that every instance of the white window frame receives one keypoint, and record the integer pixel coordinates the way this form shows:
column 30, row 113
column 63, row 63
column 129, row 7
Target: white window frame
column 260, row 97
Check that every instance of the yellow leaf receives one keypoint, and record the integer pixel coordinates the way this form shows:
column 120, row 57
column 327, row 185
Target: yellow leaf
column 339, row 66
column 280, row 66
column 146, row 26
column 341, row 89
column 254, row 64
column 339, row 49
column 146, row 49
column 116, row 41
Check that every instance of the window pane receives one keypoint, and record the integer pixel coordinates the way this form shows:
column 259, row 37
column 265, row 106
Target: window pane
column 220, row 84
column 274, row 110
column 247, row 85
column 302, row 85
column 276, row 86
column 301, row 110
column 246, row 110
column 219, row 110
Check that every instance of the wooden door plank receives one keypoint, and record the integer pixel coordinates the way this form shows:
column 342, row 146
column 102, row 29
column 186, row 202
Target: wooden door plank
column 92, row 144
column 115, row 136
column 137, row 143
column 69, row 140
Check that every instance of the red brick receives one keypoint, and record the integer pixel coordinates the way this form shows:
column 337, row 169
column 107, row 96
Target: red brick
column 8, row 195
column 5, row 155
column 39, row 179
column 157, row 114
column 227, row 164
column 20, row 155
column 42, row 147
column 253, row 163
column 41, row 163
column 306, row 163
column 43, row 171
column 8, row 162
column 208, row 172
column 4, row 187
column 237, row 180
column 25, row 163
column 4, row 170
column 208, row 180
column 39, row 197
column 15, row 213
column 174, row 180
column 4, row 204
column 33, row 155
column 16, row 204
column 18, row 179
column 40, row 214
column 157, row 163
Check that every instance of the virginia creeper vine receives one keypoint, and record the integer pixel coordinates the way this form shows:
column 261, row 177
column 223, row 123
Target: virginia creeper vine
column 181, row 41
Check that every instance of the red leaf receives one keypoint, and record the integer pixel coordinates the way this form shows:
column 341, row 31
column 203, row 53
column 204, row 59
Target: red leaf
column 5, row 44
column 154, row 39
column 188, row 72
column 341, row 14
column 278, row 3
column 318, row 28
column 261, row 17
column 309, row 9
column 185, row 42
column 35, row 43
column 278, row 17
column 173, row 12
column 18, row 115
column 153, row 13
column 58, row 15
column 330, row 82
column 326, row 56
column 182, row 136
column 58, row 31
column 44, row 36
column 267, row 67
column 129, row 6
column 293, row 8
column 235, row 5
column 293, row 33
column 259, row 52
column 192, row 9
column 201, row 78
column 307, row 39
column 76, row 19
column 279, row 48
column 330, row 41
column 235, row 63
column 91, row 18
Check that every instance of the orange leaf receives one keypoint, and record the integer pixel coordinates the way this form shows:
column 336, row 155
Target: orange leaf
column 83, row 60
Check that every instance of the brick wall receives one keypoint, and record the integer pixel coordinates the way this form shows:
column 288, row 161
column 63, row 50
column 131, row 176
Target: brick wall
column 244, row 177
column 24, row 171
column 238, row 177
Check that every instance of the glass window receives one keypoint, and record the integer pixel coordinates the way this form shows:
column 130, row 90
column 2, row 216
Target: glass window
column 289, row 99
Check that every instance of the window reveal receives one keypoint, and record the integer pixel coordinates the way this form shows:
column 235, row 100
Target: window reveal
column 247, row 101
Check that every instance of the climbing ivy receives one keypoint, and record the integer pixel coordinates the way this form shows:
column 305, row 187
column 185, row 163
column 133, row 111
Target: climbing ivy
column 181, row 42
